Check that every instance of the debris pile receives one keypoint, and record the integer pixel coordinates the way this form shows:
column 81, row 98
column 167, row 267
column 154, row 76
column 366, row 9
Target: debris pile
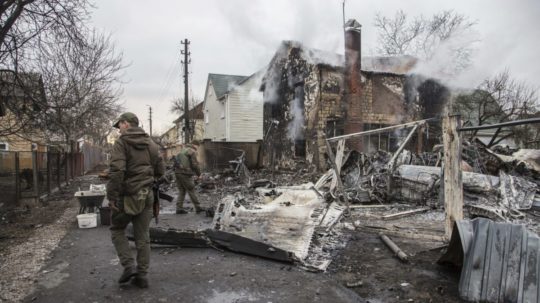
column 499, row 187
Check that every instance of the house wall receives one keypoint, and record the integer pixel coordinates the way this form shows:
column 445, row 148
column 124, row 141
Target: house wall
column 285, row 98
column 17, row 142
column 383, row 100
column 214, row 122
column 330, row 110
column 245, row 112
column 171, row 142
column 199, row 130
column 319, row 90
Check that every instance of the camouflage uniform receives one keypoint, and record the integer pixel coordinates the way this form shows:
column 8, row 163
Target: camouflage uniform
column 186, row 165
column 135, row 162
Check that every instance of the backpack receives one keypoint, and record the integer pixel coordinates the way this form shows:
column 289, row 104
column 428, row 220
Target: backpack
column 182, row 161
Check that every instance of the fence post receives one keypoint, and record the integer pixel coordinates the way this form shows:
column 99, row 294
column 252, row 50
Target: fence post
column 66, row 172
column 82, row 170
column 49, row 173
column 35, row 173
column 17, row 178
column 453, row 186
column 58, row 169
column 72, row 166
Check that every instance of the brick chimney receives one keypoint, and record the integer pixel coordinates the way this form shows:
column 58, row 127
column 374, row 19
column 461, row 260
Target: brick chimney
column 353, row 85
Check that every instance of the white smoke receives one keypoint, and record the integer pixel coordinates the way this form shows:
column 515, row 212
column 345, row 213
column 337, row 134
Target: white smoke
column 450, row 58
column 295, row 128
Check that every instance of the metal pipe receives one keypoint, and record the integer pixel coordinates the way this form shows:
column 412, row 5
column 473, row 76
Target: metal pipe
column 400, row 149
column 393, row 247
column 380, row 130
column 504, row 124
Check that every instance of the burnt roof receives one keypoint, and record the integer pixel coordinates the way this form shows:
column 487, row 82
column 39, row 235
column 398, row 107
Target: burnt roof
column 375, row 64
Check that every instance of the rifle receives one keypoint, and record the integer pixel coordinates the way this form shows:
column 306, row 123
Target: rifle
column 158, row 194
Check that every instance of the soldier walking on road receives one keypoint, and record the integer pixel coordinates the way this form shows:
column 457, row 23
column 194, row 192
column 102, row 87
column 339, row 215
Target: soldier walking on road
column 135, row 163
column 185, row 167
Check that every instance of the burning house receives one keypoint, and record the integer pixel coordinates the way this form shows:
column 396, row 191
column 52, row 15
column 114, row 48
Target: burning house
column 311, row 95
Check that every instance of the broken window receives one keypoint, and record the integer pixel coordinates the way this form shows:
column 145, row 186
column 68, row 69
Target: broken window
column 334, row 127
column 300, row 147
column 386, row 141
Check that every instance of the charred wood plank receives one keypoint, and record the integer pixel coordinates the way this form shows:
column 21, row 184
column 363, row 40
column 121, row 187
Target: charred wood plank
column 453, row 184
column 338, row 178
column 404, row 214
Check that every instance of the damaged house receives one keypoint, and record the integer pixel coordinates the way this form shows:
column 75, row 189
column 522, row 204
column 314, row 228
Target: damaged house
column 311, row 95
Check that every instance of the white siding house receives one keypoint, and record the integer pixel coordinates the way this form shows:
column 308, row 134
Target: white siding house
column 233, row 109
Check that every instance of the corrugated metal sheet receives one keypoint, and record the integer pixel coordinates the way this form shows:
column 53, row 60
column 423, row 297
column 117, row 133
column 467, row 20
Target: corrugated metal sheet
column 499, row 261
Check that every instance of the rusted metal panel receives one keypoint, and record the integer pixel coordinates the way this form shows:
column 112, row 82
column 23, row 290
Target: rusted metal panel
column 499, row 261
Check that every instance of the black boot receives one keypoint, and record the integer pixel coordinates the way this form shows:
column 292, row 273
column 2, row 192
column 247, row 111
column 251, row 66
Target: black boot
column 127, row 274
column 141, row 281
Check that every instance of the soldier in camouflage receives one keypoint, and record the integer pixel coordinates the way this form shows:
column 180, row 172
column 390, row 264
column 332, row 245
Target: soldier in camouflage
column 135, row 164
column 186, row 166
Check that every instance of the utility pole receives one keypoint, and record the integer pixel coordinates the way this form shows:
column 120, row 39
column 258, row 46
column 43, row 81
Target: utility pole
column 150, row 118
column 186, row 61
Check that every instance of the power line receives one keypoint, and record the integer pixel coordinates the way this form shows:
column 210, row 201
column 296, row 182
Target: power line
column 169, row 80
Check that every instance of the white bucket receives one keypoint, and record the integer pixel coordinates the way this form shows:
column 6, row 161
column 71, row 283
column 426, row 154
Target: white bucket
column 87, row 220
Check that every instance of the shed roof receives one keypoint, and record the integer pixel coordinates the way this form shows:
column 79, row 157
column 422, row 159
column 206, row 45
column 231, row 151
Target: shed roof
column 223, row 83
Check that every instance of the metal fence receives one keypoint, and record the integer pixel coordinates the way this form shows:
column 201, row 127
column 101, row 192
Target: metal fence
column 31, row 174
column 216, row 155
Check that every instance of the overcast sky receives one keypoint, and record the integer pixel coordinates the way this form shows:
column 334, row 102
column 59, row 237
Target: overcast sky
column 239, row 37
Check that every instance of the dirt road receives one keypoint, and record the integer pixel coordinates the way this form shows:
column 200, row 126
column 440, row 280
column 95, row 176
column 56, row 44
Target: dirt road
column 58, row 262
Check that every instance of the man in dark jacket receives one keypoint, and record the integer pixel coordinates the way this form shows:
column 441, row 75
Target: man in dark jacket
column 185, row 167
column 135, row 164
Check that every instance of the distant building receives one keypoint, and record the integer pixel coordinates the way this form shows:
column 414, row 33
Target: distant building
column 233, row 108
column 21, row 97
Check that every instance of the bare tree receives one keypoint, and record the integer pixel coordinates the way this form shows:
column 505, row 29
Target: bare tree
column 26, row 26
column 499, row 99
column 425, row 37
column 178, row 108
column 82, row 85
column 22, row 100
